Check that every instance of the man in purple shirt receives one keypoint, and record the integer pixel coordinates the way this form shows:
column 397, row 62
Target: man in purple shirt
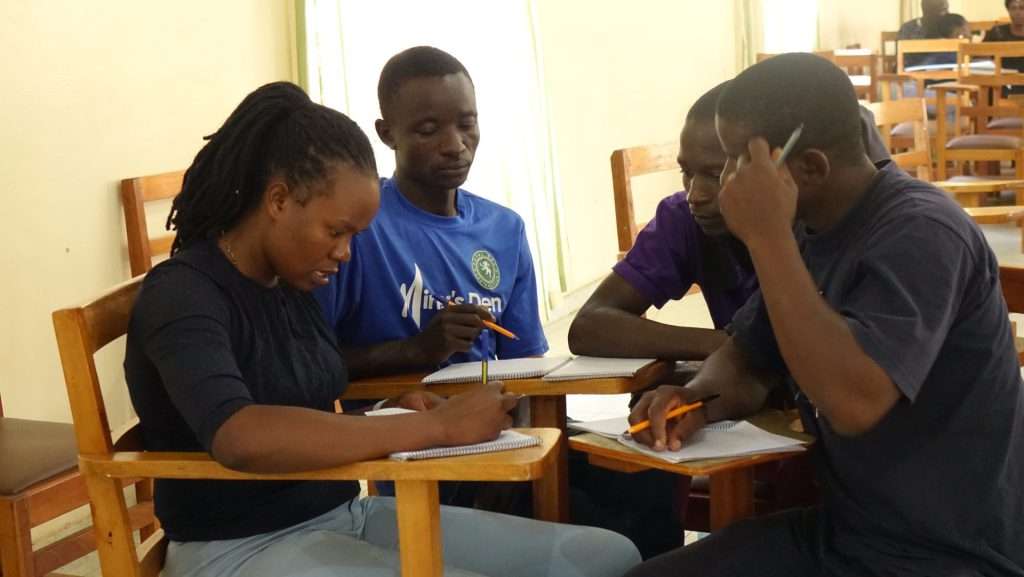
column 685, row 244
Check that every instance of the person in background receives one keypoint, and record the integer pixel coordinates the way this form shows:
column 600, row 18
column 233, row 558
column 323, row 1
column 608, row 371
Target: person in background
column 1012, row 32
column 931, row 10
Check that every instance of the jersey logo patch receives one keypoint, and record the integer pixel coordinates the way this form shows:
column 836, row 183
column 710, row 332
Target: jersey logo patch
column 485, row 270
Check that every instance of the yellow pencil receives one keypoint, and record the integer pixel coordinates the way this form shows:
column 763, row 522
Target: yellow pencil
column 676, row 412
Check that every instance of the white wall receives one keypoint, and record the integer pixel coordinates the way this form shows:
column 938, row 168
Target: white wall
column 95, row 92
column 619, row 75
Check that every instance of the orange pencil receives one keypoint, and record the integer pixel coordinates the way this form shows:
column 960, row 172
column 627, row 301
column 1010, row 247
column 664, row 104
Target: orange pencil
column 500, row 330
column 676, row 412
column 496, row 327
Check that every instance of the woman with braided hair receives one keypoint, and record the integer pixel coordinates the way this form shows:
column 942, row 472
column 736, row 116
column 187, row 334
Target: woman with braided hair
column 227, row 352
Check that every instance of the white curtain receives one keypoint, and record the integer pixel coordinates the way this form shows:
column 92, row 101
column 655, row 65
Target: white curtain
column 790, row 25
column 347, row 43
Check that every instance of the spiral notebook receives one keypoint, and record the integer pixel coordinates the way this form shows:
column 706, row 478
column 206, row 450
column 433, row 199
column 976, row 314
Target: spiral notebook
column 597, row 367
column 500, row 370
column 506, row 441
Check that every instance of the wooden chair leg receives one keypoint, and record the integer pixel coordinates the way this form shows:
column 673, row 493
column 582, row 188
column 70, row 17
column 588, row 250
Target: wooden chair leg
column 114, row 540
column 732, row 497
column 551, row 495
column 15, row 539
column 143, row 493
column 419, row 528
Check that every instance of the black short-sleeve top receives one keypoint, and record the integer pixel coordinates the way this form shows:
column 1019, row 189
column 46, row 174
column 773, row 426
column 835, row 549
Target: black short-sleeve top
column 203, row 342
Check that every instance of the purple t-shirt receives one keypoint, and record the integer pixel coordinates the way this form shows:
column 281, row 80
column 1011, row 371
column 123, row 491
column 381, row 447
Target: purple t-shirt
column 669, row 256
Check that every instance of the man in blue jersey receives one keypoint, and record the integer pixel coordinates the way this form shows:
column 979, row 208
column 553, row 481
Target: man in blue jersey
column 438, row 260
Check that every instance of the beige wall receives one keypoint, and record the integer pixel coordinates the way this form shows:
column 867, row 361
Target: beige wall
column 624, row 78
column 979, row 9
column 94, row 92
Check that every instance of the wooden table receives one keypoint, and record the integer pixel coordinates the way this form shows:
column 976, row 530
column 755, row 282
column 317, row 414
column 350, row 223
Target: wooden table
column 418, row 510
column 547, row 409
column 972, row 193
column 731, row 480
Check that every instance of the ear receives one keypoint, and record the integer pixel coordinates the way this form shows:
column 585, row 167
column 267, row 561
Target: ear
column 810, row 169
column 276, row 198
column 384, row 132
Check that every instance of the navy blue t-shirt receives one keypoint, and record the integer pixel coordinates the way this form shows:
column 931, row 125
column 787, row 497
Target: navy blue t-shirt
column 410, row 263
column 204, row 342
column 941, row 477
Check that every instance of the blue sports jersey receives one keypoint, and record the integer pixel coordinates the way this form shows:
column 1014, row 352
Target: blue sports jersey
column 410, row 263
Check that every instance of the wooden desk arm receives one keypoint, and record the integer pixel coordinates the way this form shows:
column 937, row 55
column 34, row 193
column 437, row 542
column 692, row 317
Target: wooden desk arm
column 954, row 87
column 518, row 465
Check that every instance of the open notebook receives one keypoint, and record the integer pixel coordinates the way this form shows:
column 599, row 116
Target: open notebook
column 500, row 370
column 597, row 367
column 715, row 441
column 506, row 441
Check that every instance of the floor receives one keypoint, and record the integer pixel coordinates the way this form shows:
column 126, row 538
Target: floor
column 1004, row 239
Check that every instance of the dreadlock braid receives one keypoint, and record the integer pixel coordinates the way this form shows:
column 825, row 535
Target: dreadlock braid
column 276, row 131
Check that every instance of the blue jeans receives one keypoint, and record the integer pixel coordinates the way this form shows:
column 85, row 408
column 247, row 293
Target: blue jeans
column 360, row 539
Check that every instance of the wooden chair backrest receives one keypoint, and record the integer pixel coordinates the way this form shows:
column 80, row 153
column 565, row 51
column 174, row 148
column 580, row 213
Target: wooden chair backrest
column 890, row 113
column 860, row 63
column 887, row 48
column 1011, row 279
column 135, row 193
column 628, row 163
column 930, row 46
column 81, row 332
column 990, row 102
column 980, row 27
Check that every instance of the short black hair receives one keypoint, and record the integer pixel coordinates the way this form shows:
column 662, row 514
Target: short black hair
column 774, row 97
column 275, row 131
column 416, row 62
column 704, row 109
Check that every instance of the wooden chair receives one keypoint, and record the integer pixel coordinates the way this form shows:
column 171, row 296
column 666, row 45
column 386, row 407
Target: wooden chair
column 106, row 461
column 135, row 193
column 861, row 65
column 913, row 111
column 1011, row 279
column 39, row 481
column 887, row 47
column 627, row 164
column 917, row 161
column 988, row 107
column 980, row 27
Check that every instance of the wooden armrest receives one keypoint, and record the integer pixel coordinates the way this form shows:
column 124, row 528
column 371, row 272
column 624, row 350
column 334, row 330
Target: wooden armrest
column 976, row 186
column 393, row 386
column 953, row 86
column 895, row 77
column 995, row 214
column 517, row 465
column 611, row 454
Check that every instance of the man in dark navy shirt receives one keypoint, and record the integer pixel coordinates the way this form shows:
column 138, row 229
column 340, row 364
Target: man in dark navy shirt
column 881, row 309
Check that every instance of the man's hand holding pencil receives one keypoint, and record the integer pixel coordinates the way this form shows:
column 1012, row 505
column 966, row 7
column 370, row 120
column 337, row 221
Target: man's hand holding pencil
column 665, row 417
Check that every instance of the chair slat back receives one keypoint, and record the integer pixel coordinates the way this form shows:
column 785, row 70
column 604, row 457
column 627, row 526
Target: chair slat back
column 891, row 113
column 929, row 46
column 990, row 102
column 81, row 332
column 135, row 193
column 628, row 163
